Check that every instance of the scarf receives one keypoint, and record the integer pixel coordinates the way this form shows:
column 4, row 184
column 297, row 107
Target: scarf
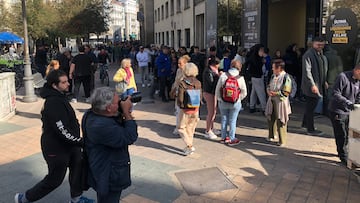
column 128, row 74
column 215, row 70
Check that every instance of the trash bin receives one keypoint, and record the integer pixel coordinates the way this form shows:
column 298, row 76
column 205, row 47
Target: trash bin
column 7, row 95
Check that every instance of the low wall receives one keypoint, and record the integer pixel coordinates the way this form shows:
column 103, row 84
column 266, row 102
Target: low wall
column 7, row 95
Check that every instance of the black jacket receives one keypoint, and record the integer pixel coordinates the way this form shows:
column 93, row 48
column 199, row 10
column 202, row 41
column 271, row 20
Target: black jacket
column 210, row 80
column 61, row 130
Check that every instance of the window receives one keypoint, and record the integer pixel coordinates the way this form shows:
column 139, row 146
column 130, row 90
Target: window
column 167, row 38
column 167, row 9
column 163, row 38
column 158, row 14
column 178, row 6
column 179, row 38
column 187, row 38
column 162, row 12
column 155, row 16
column 172, row 6
column 187, row 4
column 159, row 41
column 156, row 38
column 172, row 39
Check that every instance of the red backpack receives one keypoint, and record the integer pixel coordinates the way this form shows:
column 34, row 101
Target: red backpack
column 230, row 91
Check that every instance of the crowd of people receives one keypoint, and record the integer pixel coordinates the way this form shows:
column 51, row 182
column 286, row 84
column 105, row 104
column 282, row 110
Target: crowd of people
column 228, row 83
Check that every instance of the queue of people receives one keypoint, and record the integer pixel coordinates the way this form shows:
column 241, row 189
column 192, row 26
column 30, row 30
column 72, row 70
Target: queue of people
column 108, row 128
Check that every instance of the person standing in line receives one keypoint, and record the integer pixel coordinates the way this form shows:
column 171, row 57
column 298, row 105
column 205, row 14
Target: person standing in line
column 93, row 66
column 188, row 117
column 41, row 59
column 80, row 71
column 142, row 58
column 60, row 143
column 210, row 78
column 163, row 63
column 64, row 61
column 278, row 104
column 174, row 89
column 314, row 84
column 256, row 64
column 230, row 111
column 346, row 93
column 107, row 142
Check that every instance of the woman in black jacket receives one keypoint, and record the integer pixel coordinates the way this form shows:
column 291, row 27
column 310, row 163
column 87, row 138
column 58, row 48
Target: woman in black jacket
column 210, row 79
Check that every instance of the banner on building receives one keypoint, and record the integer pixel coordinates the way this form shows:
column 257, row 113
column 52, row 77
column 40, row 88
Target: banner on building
column 341, row 27
column 251, row 23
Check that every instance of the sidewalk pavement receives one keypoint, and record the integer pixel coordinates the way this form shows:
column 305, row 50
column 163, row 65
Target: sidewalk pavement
column 306, row 170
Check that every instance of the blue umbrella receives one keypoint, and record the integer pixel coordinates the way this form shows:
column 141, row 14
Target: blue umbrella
column 10, row 38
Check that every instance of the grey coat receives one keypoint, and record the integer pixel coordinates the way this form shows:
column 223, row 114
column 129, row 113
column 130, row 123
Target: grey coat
column 312, row 73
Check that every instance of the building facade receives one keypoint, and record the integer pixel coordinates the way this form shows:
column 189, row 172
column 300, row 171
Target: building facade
column 146, row 20
column 179, row 23
column 132, row 26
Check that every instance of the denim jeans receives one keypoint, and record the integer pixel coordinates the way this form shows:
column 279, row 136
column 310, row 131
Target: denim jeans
column 229, row 114
column 340, row 123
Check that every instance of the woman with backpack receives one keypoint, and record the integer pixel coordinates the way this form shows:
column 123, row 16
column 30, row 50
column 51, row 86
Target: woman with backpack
column 278, row 106
column 174, row 89
column 189, row 99
column 210, row 79
column 230, row 90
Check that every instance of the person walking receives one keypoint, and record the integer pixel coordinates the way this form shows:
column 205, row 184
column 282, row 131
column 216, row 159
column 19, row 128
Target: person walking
column 174, row 89
column 278, row 105
column 142, row 58
column 163, row 63
column 60, row 143
column 125, row 79
column 80, row 71
column 41, row 59
column 210, row 78
column 256, row 63
column 188, row 117
column 346, row 93
column 106, row 144
column 65, row 61
column 314, row 84
column 230, row 110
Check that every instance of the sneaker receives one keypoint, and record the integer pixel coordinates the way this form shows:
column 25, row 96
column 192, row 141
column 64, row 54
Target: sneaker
column 216, row 131
column 270, row 139
column 176, row 131
column 149, row 85
column 18, row 198
column 87, row 100
column 234, row 142
column 73, row 100
column 315, row 132
column 193, row 149
column 143, row 85
column 84, row 199
column 157, row 91
column 225, row 141
column 210, row 135
column 188, row 151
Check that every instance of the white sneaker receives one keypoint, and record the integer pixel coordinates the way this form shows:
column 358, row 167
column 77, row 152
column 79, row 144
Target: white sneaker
column 157, row 91
column 193, row 149
column 149, row 85
column 73, row 100
column 187, row 151
column 176, row 131
column 143, row 85
column 210, row 135
column 216, row 131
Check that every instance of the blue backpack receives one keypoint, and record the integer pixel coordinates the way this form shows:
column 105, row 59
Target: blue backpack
column 192, row 96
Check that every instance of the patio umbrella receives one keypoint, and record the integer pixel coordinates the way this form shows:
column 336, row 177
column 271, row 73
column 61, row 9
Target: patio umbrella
column 10, row 38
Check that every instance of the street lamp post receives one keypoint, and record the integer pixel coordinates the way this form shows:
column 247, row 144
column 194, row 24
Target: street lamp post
column 28, row 78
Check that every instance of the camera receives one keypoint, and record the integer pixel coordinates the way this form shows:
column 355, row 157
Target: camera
column 135, row 98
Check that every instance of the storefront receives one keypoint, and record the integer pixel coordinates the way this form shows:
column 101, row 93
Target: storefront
column 279, row 23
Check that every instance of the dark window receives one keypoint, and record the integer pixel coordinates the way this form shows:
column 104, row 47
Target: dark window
column 187, row 38
column 179, row 38
column 167, row 38
column 162, row 12
column 163, row 37
column 155, row 16
column 158, row 14
column 178, row 6
column 167, row 9
column 187, row 4
column 172, row 6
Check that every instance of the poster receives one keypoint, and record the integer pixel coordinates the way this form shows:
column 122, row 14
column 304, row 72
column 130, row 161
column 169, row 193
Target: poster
column 251, row 23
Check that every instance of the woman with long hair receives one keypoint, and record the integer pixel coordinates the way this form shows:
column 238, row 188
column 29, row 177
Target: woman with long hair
column 125, row 79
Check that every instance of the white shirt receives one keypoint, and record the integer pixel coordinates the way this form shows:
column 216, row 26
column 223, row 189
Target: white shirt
column 142, row 58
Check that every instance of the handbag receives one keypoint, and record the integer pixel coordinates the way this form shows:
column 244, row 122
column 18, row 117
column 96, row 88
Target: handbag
column 121, row 87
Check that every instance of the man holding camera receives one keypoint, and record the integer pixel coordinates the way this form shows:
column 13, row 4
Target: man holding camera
column 106, row 143
column 346, row 94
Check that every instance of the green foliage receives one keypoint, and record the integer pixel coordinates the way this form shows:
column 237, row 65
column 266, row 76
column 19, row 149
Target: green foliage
column 229, row 17
column 49, row 21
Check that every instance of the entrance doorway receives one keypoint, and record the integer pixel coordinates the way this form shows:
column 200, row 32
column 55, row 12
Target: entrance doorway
column 286, row 24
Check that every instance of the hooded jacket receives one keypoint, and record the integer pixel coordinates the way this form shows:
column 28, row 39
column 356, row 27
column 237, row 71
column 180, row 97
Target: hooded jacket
column 60, row 130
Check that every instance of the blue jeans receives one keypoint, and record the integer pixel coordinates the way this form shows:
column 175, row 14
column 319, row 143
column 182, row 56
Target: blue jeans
column 127, row 93
column 229, row 113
